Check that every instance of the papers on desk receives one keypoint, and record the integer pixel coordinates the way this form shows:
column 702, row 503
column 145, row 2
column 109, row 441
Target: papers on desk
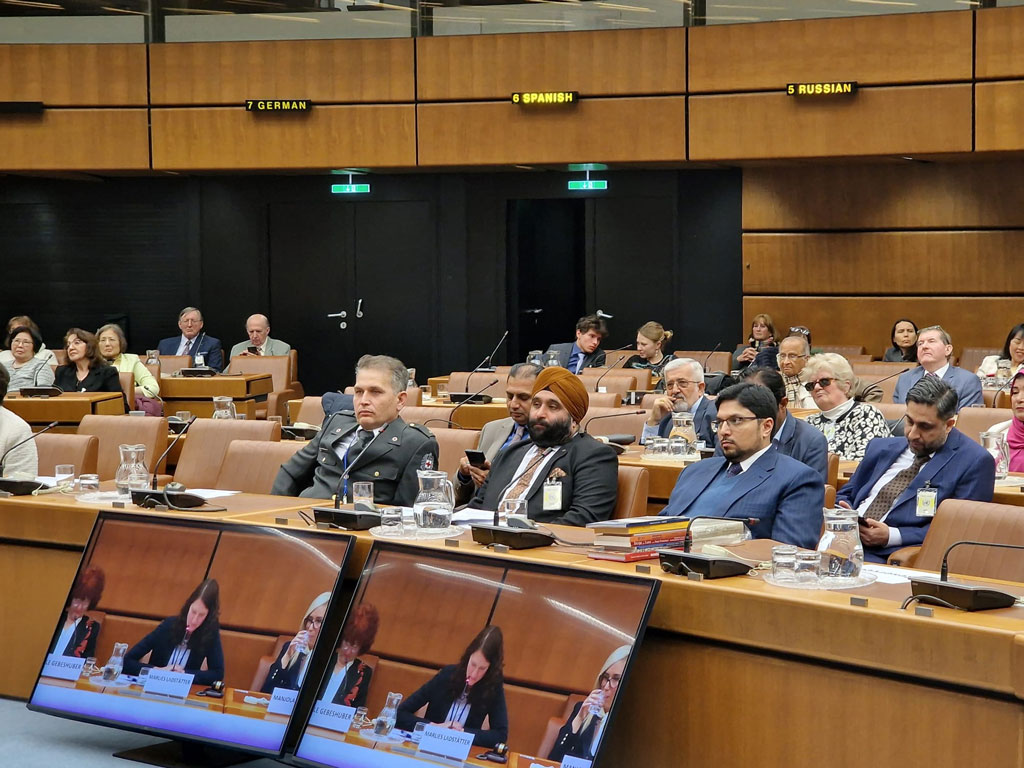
column 887, row 574
column 210, row 493
column 1010, row 482
column 468, row 516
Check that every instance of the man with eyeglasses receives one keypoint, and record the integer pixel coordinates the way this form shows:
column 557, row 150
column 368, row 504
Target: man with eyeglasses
column 778, row 496
column 193, row 341
column 684, row 391
column 794, row 351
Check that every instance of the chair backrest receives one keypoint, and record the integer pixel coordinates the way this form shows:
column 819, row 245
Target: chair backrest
column 973, row 421
column 555, row 725
column 649, row 398
column 830, row 497
column 114, row 431
column 61, row 355
column 859, row 358
column 414, row 396
column 428, row 415
column 252, row 465
column 452, row 445
column 472, row 381
column 278, row 366
column 878, row 369
column 634, row 483
column 841, row 349
column 310, row 412
column 971, row 357
column 833, row 470
column 127, row 379
column 620, row 421
column 172, row 363
column 207, row 443
column 957, row 520
column 1002, row 399
column 716, row 361
column 891, row 411
column 605, row 399
column 887, row 387
column 56, row 448
column 614, row 358
column 614, row 379
column 293, row 359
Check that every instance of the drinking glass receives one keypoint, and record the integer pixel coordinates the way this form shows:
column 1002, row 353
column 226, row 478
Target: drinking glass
column 808, row 567
column 89, row 483
column 784, row 563
column 362, row 493
column 442, row 391
column 184, row 415
column 512, row 507
column 391, row 521
column 64, row 475
column 360, row 719
column 417, row 732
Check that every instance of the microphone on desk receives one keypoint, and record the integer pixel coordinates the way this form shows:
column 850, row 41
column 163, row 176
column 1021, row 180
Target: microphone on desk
column 447, row 422
column 487, row 360
column 583, row 429
column 962, row 596
column 469, row 399
column 20, row 443
column 174, row 442
column 718, row 346
column 610, row 367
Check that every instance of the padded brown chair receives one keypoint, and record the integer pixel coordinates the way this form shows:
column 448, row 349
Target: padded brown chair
column 207, row 443
column 1002, row 399
column 127, row 379
column 634, row 483
column 427, row 415
column 973, row 421
column 452, row 445
column 61, row 355
column 888, row 386
column 716, row 361
column 971, row 357
column 613, row 379
column 555, row 725
column 250, row 466
column 293, row 361
column 605, row 399
column 472, row 381
column 878, row 369
column 842, row 349
column 957, row 520
column 621, row 421
column 892, row 411
column 614, row 358
column 114, row 431
column 833, row 470
column 310, row 412
column 279, row 368
column 55, row 448
column 172, row 363
column 830, row 499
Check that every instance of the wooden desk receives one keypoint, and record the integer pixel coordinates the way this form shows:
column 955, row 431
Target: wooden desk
column 68, row 408
column 1006, row 494
column 663, row 473
column 473, row 415
column 196, row 394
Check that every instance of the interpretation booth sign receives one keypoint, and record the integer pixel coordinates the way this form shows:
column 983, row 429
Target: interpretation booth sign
column 843, row 88
column 545, row 98
column 278, row 105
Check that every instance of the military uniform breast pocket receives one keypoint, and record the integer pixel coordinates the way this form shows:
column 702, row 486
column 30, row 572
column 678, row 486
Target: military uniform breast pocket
column 326, row 457
column 380, row 472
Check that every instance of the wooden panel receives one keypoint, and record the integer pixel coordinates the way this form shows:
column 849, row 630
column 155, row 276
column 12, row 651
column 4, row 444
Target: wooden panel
column 74, row 75
column 999, row 114
column 606, row 130
column 320, row 70
column 882, row 262
column 601, row 63
column 1000, row 39
column 867, row 321
column 887, row 196
column 916, row 120
column 75, row 140
column 873, row 50
column 327, row 137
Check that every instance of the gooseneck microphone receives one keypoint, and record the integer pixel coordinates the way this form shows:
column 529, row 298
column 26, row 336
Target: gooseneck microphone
column 470, row 399
column 20, row 443
column 164, row 455
column 610, row 368
column 487, row 361
column 944, row 569
column 583, row 429
column 718, row 346
column 966, row 597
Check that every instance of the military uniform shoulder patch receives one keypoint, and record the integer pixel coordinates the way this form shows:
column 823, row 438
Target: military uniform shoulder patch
column 427, row 462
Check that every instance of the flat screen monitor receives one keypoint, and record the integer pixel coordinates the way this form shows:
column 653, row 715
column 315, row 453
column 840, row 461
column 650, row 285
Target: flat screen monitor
column 193, row 629
column 446, row 656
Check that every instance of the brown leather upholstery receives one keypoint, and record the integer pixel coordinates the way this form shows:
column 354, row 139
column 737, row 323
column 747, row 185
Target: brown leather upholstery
column 880, row 369
column 251, row 465
column 973, row 421
column 716, row 361
column 830, row 497
column 887, row 387
column 55, row 448
column 605, row 399
column 265, row 662
column 61, row 355
column 971, row 357
column 395, row 676
column 310, row 412
column 293, row 360
column 172, row 363
column 634, row 482
column 207, row 443
column 622, row 421
column 279, row 368
column 452, row 445
column 529, row 712
column 555, row 725
column 957, row 520
column 842, row 349
column 421, row 414
column 466, row 381
column 1001, row 400
column 859, row 358
column 127, row 379
column 614, row 380
column 614, row 358
column 113, row 431
column 891, row 411
column 833, row 470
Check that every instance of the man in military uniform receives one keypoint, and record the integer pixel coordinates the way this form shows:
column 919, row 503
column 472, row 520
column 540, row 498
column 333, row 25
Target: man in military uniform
column 371, row 442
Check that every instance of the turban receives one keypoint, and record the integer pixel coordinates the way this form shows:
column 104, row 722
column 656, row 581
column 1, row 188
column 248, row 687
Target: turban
column 567, row 387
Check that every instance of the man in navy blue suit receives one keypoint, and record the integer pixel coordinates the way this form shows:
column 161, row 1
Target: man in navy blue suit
column 684, row 390
column 752, row 479
column 193, row 340
column 793, row 437
column 884, row 488
column 934, row 351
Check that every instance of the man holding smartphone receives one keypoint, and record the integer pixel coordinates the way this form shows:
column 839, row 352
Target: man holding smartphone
column 259, row 343
column 500, row 434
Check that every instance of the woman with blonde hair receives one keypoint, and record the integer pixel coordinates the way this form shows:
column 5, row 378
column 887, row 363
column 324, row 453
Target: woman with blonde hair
column 651, row 340
column 847, row 424
column 289, row 669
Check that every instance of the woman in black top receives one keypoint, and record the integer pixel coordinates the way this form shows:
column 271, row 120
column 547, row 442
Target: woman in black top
column 904, row 342
column 86, row 370
column 78, row 631
column 462, row 695
column 651, row 340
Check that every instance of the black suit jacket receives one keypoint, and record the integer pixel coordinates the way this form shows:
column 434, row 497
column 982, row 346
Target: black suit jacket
column 437, row 695
column 161, row 642
column 83, row 641
column 355, row 685
column 593, row 360
column 101, row 379
column 209, row 347
column 574, row 744
column 389, row 462
column 590, row 478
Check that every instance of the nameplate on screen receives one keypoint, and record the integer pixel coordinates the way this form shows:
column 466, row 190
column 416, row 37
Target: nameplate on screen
column 844, row 88
column 444, row 742
column 278, row 105
column 282, row 702
column 332, row 716
column 575, row 762
column 62, row 667
column 168, row 683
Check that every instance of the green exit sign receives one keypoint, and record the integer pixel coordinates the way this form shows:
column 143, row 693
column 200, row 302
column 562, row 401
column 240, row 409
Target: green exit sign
column 589, row 184
column 350, row 189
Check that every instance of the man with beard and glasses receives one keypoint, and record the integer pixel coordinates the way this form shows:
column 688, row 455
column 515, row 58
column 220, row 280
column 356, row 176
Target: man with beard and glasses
column 566, row 476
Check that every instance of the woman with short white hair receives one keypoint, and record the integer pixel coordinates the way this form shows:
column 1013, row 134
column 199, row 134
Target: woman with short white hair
column 848, row 425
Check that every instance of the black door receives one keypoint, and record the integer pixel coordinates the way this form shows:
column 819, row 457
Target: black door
column 546, row 272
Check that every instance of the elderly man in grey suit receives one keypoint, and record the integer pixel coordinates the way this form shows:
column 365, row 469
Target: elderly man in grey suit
column 258, row 328
column 500, row 434
column 934, row 352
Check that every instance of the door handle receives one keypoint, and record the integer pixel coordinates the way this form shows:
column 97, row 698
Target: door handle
column 359, row 308
column 343, row 313
column 535, row 311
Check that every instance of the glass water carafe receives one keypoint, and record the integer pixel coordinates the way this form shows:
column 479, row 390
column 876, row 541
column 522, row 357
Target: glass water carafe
column 386, row 719
column 551, row 359
column 682, row 427
column 132, row 473
column 842, row 554
column 224, row 408
column 115, row 665
column 995, row 444
column 536, row 357
column 435, row 501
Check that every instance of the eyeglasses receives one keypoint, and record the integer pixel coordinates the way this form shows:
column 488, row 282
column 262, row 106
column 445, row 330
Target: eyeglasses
column 823, row 383
column 680, row 383
column 789, row 356
column 314, row 621
column 799, row 329
column 733, row 421
column 606, row 679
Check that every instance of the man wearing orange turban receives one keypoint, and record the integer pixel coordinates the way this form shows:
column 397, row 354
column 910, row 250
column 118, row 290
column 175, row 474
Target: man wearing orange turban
column 565, row 476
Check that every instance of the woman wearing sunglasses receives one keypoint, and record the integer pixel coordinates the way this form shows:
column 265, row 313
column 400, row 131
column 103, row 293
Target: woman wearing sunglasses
column 847, row 424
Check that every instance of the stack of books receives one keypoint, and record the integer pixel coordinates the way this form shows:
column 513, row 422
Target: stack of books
column 636, row 538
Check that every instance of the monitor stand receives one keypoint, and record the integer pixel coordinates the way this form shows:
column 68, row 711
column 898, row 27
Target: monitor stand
column 185, row 754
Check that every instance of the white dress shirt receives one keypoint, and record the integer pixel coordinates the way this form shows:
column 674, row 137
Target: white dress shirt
column 531, row 454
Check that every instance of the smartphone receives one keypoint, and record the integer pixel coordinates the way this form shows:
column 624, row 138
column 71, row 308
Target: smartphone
column 476, row 458
column 862, row 520
column 252, row 350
